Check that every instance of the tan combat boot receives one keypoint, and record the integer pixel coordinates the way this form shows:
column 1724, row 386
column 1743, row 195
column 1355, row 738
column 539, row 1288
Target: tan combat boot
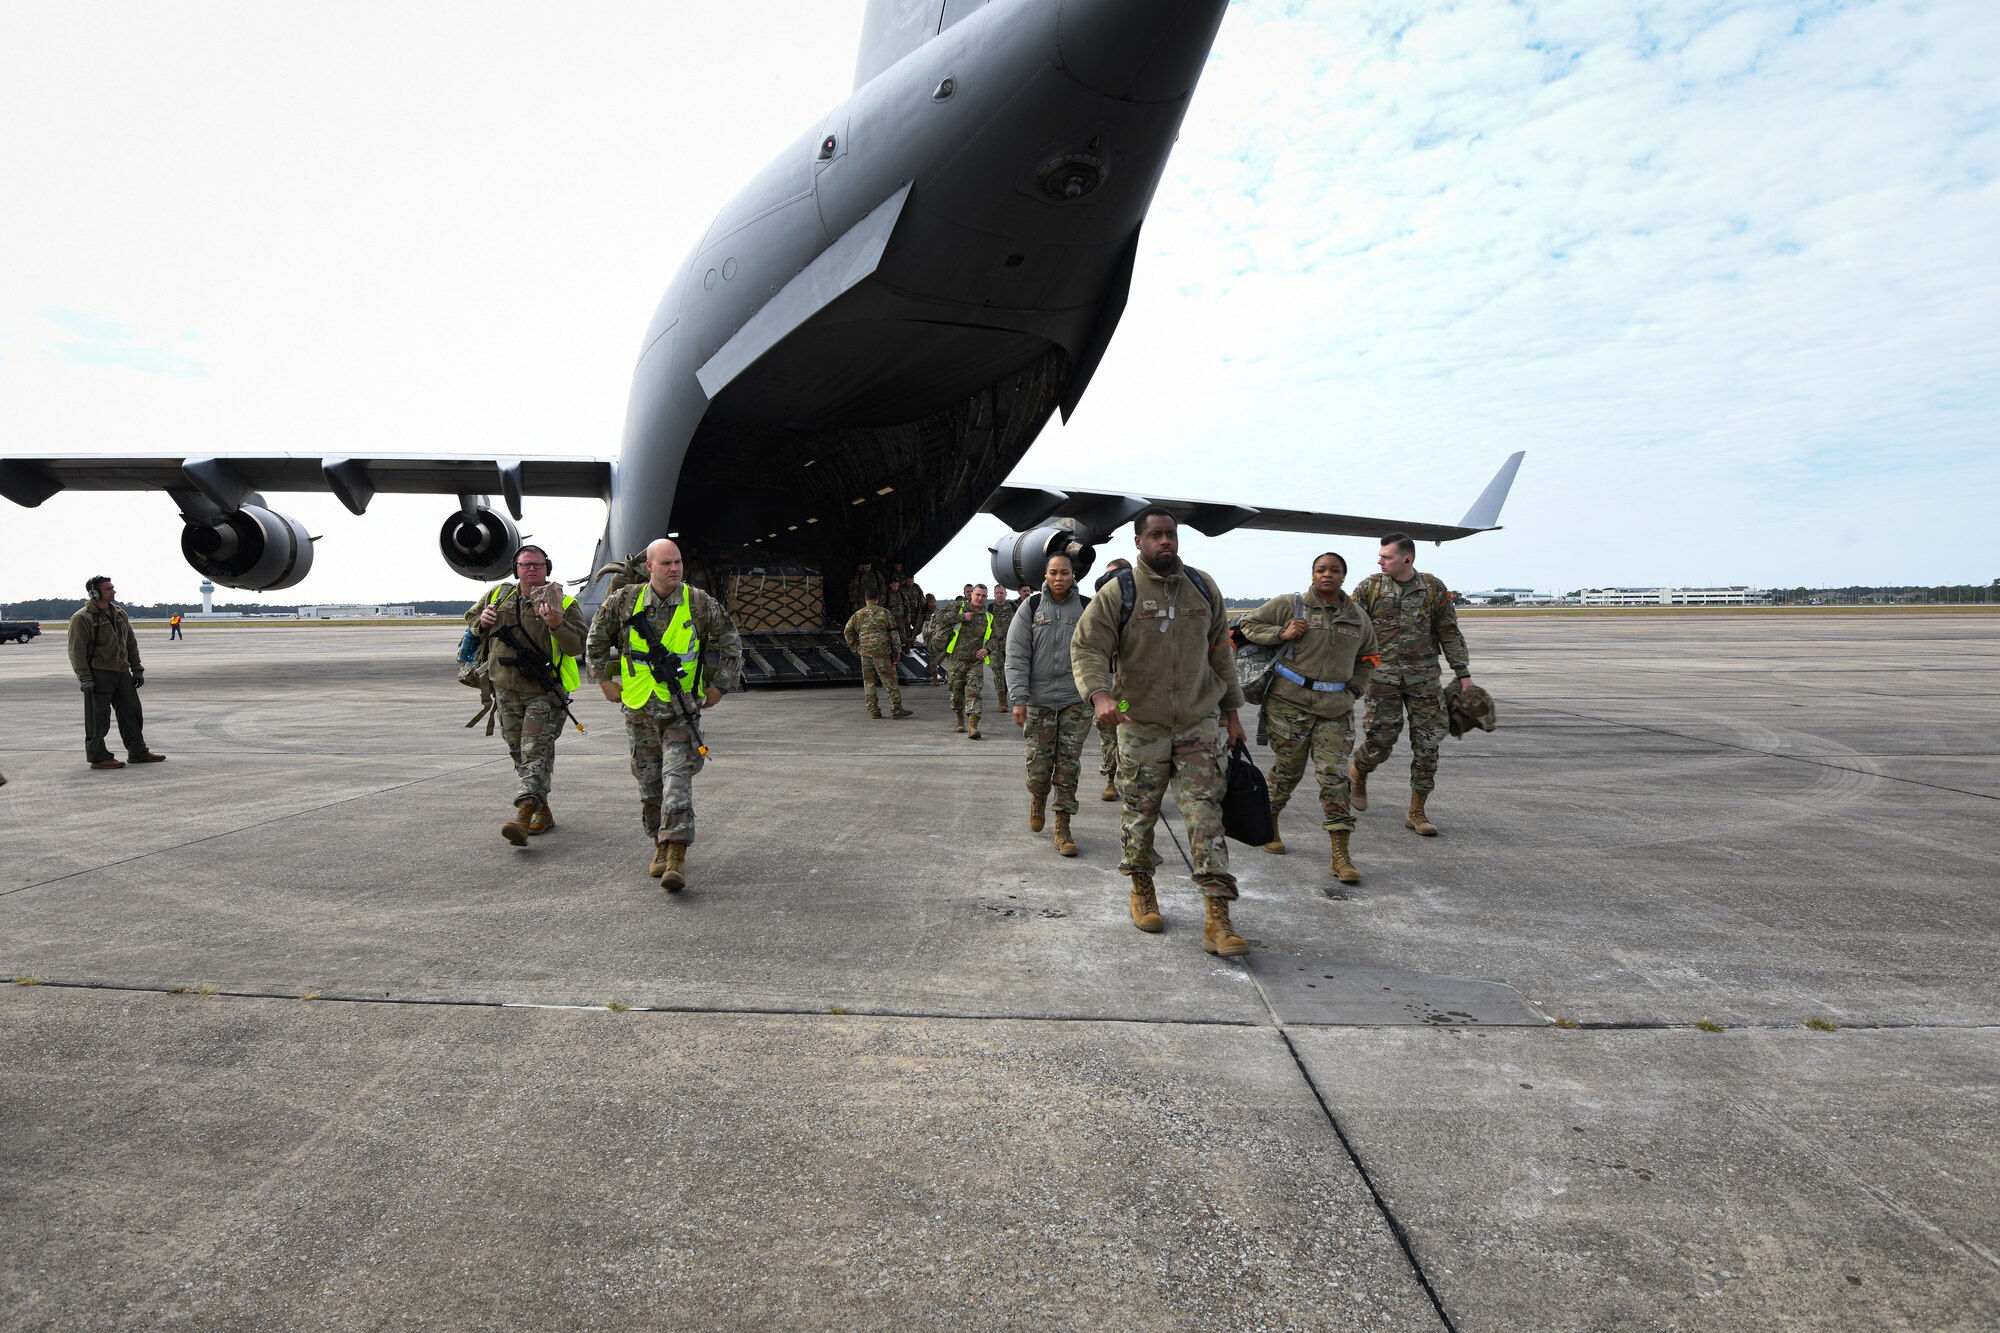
column 542, row 820
column 1276, row 846
column 1340, row 867
column 659, row 865
column 1038, row 805
column 1065, row 844
column 1357, row 787
column 516, row 829
column 972, row 729
column 901, row 712
column 674, row 878
column 875, row 713
column 1110, row 792
column 1416, row 821
column 1145, row 904
column 1218, row 936
column 958, row 719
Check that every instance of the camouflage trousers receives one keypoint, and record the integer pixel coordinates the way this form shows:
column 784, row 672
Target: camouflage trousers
column 880, row 670
column 1387, row 701
column 664, row 762
column 1298, row 736
column 1107, row 745
column 998, row 662
column 1055, row 751
column 530, row 723
column 968, row 682
column 1149, row 759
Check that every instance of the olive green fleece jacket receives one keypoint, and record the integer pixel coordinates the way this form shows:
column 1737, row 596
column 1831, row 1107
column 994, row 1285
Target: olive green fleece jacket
column 1339, row 647
column 1174, row 663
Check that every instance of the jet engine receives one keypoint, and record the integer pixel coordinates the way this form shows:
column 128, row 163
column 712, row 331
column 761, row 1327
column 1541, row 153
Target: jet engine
column 479, row 542
column 252, row 548
column 1021, row 558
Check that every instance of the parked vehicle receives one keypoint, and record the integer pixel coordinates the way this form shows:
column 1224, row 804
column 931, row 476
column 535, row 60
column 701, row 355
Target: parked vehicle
column 18, row 631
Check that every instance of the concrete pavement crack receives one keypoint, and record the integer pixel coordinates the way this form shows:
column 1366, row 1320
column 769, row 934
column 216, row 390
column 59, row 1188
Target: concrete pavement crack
column 1388, row 1215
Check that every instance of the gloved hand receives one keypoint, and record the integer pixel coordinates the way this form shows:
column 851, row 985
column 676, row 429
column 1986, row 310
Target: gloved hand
column 87, row 686
column 138, row 679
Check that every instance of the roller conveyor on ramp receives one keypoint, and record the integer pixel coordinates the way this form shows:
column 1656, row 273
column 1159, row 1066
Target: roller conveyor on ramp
column 811, row 657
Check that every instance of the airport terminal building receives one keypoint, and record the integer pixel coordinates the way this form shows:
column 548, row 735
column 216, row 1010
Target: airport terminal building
column 1737, row 596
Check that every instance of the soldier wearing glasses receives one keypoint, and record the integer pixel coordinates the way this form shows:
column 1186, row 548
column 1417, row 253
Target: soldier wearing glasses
column 533, row 635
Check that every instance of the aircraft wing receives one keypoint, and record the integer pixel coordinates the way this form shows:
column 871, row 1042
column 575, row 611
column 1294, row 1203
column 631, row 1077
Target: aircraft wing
column 226, row 479
column 1026, row 506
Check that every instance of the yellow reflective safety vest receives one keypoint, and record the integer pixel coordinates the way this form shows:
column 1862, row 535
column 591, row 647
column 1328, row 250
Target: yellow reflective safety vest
column 565, row 665
column 637, row 685
column 956, row 627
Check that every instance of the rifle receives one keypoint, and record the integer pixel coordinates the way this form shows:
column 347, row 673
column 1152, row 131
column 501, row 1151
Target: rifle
column 669, row 669
column 539, row 668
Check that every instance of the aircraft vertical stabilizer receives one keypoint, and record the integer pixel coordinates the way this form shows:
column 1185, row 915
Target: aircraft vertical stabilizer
column 1485, row 511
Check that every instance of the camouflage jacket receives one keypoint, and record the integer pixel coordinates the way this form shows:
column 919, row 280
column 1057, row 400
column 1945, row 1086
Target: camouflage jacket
column 516, row 615
column 972, row 627
column 721, row 645
column 1003, row 620
column 101, row 639
column 862, row 584
column 873, row 632
column 1339, row 646
column 1414, row 622
column 906, row 605
column 1175, row 668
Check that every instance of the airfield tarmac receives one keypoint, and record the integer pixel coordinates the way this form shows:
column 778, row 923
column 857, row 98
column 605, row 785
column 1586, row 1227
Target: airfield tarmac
column 891, row 1062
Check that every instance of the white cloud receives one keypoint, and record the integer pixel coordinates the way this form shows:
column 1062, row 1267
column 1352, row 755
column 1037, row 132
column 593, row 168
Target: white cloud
column 1725, row 271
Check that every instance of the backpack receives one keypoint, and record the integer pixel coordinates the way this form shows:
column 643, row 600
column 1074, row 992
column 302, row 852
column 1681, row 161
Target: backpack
column 472, row 670
column 1255, row 662
column 1128, row 592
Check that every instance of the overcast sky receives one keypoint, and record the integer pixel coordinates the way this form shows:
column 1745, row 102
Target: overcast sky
column 1728, row 272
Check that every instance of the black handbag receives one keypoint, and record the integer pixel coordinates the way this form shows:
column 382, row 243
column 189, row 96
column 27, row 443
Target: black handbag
column 1246, row 801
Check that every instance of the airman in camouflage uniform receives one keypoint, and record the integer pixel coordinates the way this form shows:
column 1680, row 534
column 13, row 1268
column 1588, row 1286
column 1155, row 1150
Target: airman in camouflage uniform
column 966, row 638
column 1047, row 707
column 872, row 633
column 1414, row 622
column 865, row 580
column 934, row 619
column 1003, row 608
column 1326, row 651
column 658, row 733
column 524, row 626
column 1107, row 733
column 1175, row 671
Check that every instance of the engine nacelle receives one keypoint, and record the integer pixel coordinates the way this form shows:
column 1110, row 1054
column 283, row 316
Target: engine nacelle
column 1020, row 559
column 479, row 546
column 252, row 548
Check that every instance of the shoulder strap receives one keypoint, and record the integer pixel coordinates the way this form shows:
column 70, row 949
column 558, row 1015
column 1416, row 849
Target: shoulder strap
column 1208, row 591
column 1034, row 603
column 1128, row 589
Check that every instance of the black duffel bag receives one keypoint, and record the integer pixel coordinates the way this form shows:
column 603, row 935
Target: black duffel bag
column 1246, row 801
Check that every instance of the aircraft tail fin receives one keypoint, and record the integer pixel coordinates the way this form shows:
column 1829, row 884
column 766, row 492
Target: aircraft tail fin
column 1485, row 511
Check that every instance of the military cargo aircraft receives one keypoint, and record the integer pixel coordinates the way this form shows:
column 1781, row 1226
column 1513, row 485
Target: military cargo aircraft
column 859, row 349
